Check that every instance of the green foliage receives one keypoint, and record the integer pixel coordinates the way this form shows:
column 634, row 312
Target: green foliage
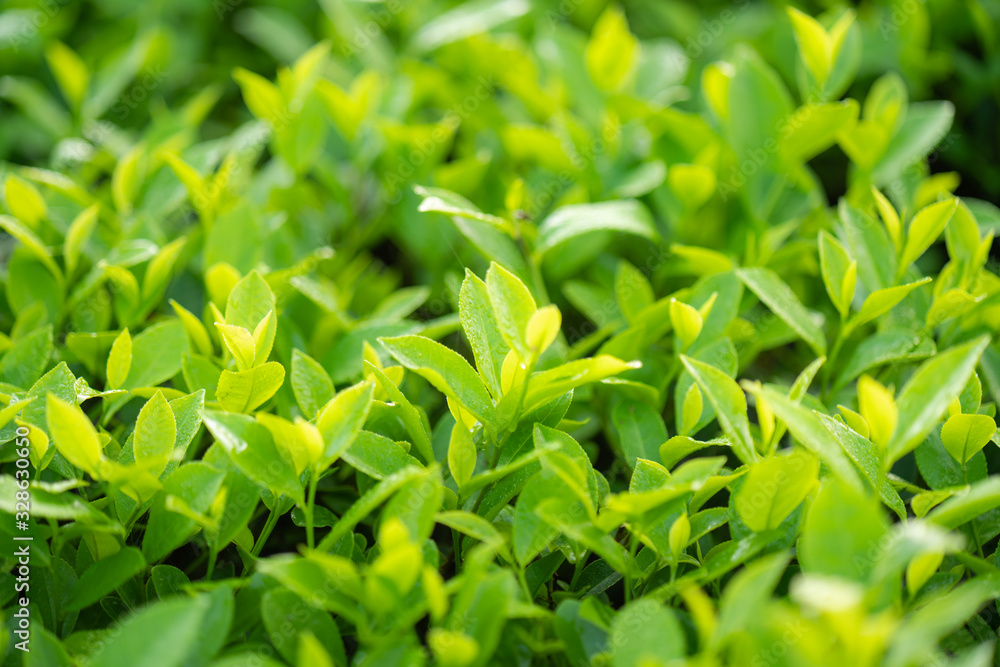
column 505, row 332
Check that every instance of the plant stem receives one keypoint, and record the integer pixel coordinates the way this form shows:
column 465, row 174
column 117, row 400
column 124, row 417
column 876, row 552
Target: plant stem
column 310, row 508
column 577, row 570
column 131, row 518
column 212, row 555
column 972, row 524
column 456, row 539
column 633, row 547
column 524, row 585
column 497, row 448
column 272, row 520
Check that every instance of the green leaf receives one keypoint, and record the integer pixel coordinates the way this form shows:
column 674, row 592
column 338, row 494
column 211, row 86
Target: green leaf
column 925, row 125
column 814, row 44
column 920, row 632
column 155, row 433
column 69, row 71
column 839, row 272
column 196, row 331
column 480, row 326
column 196, row 485
column 472, row 525
column 462, row 454
column 884, row 347
column 175, row 633
column 446, row 370
column 367, row 503
column 927, row 393
column 729, row 403
column 612, row 52
column 866, row 459
column 838, row 533
column 513, row 307
column 748, row 591
column 32, row 244
column 878, row 408
column 464, row 21
column 807, row 427
column 48, row 504
column 245, row 391
column 120, row 360
column 924, row 229
column 46, row 651
column 73, row 434
column 582, row 633
column 416, row 504
column 286, row 616
column 323, row 580
column 886, row 101
column 159, row 269
column 964, row 435
column 551, row 384
column 24, row 201
column 890, row 218
column 250, row 446
column 814, row 128
column 774, row 488
column 299, row 440
column 692, row 409
column 105, row 576
column 412, row 420
column 311, row 384
column 442, row 201
column 869, row 245
column 249, row 302
column 640, row 430
column 261, row 96
column 646, row 631
column 686, row 321
column 126, row 179
column 157, row 354
column 24, row 363
column 692, row 184
column 951, row 304
column 377, row 456
column 971, row 502
column 624, row 216
column 778, row 296
column 342, row 418
column 240, row 343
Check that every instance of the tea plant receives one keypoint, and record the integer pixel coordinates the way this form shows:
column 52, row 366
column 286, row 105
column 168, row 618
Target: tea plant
column 515, row 335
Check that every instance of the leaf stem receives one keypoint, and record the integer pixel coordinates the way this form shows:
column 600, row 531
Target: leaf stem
column 272, row 520
column 212, row 555
column 311, row 508
column 633, row 547
column 577, row 571
column 524, row 585
column 972, row 524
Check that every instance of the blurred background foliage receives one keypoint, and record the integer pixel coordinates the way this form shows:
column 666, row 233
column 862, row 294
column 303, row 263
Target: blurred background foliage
column 470, row 97
column 221, row 137
column 148, row 60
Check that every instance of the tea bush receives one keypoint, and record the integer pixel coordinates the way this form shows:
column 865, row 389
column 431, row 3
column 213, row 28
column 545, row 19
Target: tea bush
column 499, row 333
